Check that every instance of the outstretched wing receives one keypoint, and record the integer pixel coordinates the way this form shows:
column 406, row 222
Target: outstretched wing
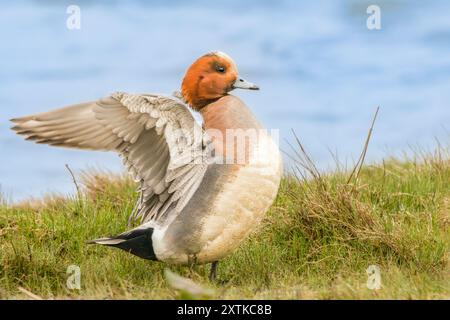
column 161, row 144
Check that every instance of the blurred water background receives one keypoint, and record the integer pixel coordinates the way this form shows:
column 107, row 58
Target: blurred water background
column 322, row 72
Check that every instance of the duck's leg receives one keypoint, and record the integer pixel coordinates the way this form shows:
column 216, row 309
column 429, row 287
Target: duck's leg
column 213, row 273
column 192, row 264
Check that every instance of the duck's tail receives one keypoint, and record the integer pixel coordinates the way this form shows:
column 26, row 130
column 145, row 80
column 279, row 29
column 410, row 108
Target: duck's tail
column 137, row 242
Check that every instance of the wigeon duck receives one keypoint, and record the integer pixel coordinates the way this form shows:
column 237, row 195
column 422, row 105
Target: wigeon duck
column 203, row 189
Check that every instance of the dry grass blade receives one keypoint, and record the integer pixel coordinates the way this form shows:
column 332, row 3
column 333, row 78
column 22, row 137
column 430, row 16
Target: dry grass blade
column 29, row 294
column 302, row 158
column 362, row 157
column 79, row 193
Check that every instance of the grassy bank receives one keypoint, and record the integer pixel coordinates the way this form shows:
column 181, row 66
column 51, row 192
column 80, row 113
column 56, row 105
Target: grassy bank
column 317, row 241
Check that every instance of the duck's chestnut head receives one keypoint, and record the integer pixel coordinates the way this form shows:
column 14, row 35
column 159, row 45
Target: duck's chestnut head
column 211, row 77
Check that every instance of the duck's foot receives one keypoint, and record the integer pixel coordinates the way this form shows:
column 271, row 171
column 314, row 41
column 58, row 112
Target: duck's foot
column 213, row 273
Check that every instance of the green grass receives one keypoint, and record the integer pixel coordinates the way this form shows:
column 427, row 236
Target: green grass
column 317, row 241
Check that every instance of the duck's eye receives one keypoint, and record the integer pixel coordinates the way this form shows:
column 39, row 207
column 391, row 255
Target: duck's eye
column 220, row 69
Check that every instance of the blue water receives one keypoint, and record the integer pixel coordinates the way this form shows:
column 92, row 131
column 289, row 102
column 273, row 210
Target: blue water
column 322, row 72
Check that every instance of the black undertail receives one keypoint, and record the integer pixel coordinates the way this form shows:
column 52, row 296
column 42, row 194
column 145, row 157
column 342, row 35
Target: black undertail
column 137, row 242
